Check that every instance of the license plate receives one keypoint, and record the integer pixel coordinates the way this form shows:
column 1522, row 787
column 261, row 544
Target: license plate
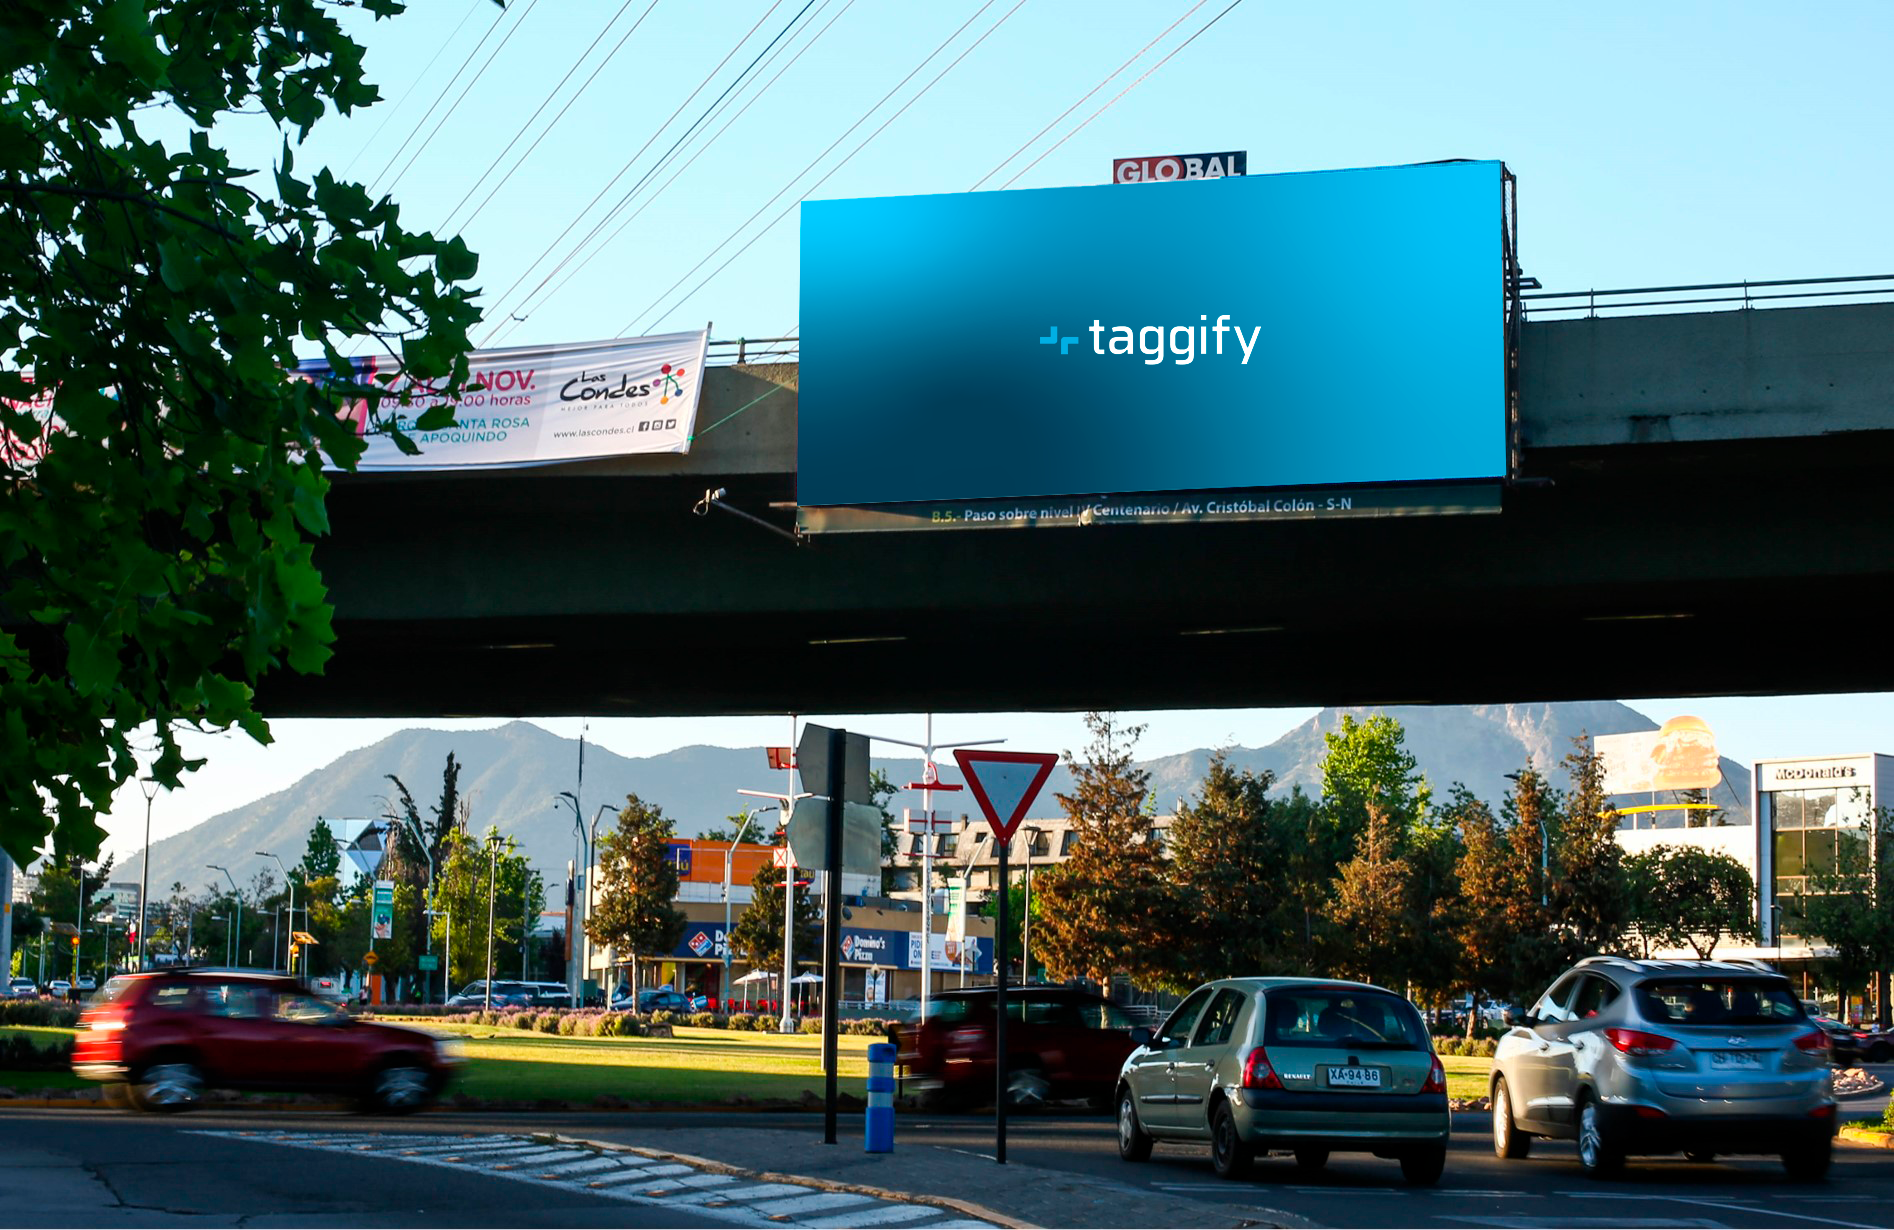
column 1355, row 1078
column 1735, row 1061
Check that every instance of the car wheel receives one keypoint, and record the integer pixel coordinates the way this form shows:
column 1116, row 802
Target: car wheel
column 1879, row 1052
column 1808, row 1163
column 1230, row 1154
column 1026, row 1084
column 1421, row 1167
column 401, row 1088
column 167, row 1087
column 1134, row 1143
column 1701, row 1157
column 1311, row 1160
column 1508, row 1140
column 1597, row 1153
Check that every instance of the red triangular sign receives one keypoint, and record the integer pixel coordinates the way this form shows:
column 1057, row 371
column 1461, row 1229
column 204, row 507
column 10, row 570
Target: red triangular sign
column 1005, row 783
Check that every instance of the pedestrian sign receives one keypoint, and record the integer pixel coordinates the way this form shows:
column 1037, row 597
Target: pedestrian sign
column 1005, row 783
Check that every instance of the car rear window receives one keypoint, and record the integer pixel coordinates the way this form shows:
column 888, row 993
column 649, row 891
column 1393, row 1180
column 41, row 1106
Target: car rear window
column 1343, row 1017
column 1717, row 1001
column 115, row 990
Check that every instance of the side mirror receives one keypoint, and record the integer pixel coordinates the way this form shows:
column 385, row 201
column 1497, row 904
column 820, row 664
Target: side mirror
column 1140, row 1035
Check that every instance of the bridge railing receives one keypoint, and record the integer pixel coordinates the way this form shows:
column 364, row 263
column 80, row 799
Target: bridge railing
column 1649, row 300
column 752, row 350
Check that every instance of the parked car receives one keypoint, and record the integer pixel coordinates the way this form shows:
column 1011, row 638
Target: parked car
column 1698, row 1057
column 160, row 1039
column 23, row 988
column 1844, row 1040
column 1873, row 1045
column 551, row 994
column 1061, row 1044
column 657, row 999
column 1312, row 1066
column 86, row 984
column 59, row 988
column 505, row 995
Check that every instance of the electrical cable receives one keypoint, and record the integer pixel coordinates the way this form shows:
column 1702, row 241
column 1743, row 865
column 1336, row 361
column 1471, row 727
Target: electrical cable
column 438, row 98
column 658, row 131
column 575, row 270
column 524, row 14
column 1095, row 89
column 512, row 170
column 547, row 101
column 473, row 8
column 643, row 315
column 1134, row 85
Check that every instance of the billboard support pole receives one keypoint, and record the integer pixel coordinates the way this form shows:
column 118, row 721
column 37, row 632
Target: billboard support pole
column 831, row 948
column 1000, row 964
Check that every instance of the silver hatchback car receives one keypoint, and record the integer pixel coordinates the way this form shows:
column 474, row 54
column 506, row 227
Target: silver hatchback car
column 1692, row 1057
column 1303, row 1065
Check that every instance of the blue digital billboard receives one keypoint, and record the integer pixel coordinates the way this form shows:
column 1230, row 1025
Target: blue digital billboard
column 1251, row 334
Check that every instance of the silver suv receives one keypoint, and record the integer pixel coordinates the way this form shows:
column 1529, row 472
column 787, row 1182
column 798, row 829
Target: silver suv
column 1697, row 1057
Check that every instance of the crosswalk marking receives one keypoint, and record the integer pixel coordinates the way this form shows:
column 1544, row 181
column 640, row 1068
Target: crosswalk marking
column 630, row 1177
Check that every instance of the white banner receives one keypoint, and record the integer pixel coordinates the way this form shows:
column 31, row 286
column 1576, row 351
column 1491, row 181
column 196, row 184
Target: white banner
column 949, row 954
column 545, row 404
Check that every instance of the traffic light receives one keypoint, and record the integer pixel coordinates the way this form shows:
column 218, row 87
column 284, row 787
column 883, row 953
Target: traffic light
column 131, row 934
column 75, row 943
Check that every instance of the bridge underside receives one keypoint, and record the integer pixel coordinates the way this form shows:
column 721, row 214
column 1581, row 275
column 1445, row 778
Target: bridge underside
column 1642, row 564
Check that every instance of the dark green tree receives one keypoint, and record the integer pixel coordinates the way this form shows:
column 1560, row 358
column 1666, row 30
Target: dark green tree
column 161, row 478
column 1104, row 909
column 1850, row 910
column 1232, row 863
column 323, row 858
column 633, row 911
column 1686, row 896
column 1590, row 896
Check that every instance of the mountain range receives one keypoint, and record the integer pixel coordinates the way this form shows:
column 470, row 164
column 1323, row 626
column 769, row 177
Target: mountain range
column 511, row 774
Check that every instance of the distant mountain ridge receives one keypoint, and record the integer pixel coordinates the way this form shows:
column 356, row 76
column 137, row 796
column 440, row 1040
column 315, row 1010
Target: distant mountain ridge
column 511, row 774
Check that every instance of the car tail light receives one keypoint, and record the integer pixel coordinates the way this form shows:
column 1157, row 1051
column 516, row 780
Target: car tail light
column 1436, row 1078
column 1638, row 1043
column 1812, row 1041
column 1822, row 1112
column 1257, row 1073
column 1651, row 1112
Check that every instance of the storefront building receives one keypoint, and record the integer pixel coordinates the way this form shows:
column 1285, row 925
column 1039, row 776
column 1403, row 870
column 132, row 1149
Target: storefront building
column 1815, row 820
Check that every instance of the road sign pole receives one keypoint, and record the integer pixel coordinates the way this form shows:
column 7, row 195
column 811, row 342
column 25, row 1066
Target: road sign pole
column 832, row 949
column 1000, row 963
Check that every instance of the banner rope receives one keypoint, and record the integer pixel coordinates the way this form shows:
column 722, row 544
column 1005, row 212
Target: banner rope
column 739, row 410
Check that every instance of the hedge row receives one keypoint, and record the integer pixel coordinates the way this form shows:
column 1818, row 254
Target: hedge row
column 39, row 1012
column 1481, row 1048
column 21, row 1054
column 598, row 1023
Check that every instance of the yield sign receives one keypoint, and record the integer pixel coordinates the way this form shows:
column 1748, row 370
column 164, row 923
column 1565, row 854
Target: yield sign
column 1005, row 783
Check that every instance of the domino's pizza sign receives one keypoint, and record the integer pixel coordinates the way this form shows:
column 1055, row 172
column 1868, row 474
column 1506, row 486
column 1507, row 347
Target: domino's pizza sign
column 848, row 947
column 700, row 943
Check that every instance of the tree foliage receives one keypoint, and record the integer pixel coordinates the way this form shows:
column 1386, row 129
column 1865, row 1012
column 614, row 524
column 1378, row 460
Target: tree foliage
column 1686, row 896
column 160, row 473
column 1104, row 910
column 757, row 934
column 1374, row 904
column 477, row 875
column 632, row 910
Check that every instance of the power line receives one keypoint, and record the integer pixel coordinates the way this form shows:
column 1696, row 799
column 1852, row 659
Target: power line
column 1121, row 93
column 1095, row 89
column 575, row 270
column 560, row 238
column 825, row 153
column 416, row 130
column 524, row 14
column 475, row 187
column 473, row 8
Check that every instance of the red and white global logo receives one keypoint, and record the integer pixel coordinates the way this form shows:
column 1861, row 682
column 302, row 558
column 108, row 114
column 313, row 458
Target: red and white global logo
column 699, row 943
column 1163, row 168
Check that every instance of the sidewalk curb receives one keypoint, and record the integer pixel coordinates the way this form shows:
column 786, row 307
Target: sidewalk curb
column 968, row 1207
column 1865, row 1139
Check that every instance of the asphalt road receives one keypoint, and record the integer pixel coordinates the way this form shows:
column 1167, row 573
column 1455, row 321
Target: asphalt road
column 93, row 1168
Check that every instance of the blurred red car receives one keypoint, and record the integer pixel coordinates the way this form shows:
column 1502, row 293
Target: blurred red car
column 160, row 1039
column 1062, row 1044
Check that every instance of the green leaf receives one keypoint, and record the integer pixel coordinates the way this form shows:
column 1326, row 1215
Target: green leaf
column 434, row 418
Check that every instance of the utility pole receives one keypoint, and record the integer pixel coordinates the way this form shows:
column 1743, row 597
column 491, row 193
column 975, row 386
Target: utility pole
column 236, row 935
column 150, row 788
column 493, row 868
column 786, row 802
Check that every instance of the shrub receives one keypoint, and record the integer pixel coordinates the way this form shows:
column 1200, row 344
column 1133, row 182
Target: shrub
column 662, row 1017
column 567, row 1025
column 741, row 1021
column 812, row 1025
column 21, row 1054
column 548, row 1022
column 56, row 1012
column 709, row 1020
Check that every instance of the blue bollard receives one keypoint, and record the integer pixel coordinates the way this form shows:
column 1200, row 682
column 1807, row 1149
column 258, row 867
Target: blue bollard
column 878, row 1123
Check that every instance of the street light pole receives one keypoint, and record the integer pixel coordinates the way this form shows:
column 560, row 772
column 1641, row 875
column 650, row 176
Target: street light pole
column 493, row 870
column 1025, row 930
column 150, row 788
column 287, row 963
column 787, row 804
column 929, row 783
column 728, row 855
column 236, row 937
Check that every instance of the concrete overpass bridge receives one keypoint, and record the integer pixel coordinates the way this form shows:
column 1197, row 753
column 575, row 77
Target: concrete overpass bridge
column 1705, row 508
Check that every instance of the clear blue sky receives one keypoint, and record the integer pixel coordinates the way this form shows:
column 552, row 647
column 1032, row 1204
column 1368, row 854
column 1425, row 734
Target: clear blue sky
column 1654, row 145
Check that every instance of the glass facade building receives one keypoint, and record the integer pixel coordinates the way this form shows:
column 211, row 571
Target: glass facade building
column 1815, row 821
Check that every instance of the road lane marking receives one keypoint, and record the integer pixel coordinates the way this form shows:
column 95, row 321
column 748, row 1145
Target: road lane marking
column 1722, row 1204
column 633, row 1178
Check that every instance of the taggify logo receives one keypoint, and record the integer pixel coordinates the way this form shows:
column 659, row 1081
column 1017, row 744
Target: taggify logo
column 1181, row 344
column 670, row 383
